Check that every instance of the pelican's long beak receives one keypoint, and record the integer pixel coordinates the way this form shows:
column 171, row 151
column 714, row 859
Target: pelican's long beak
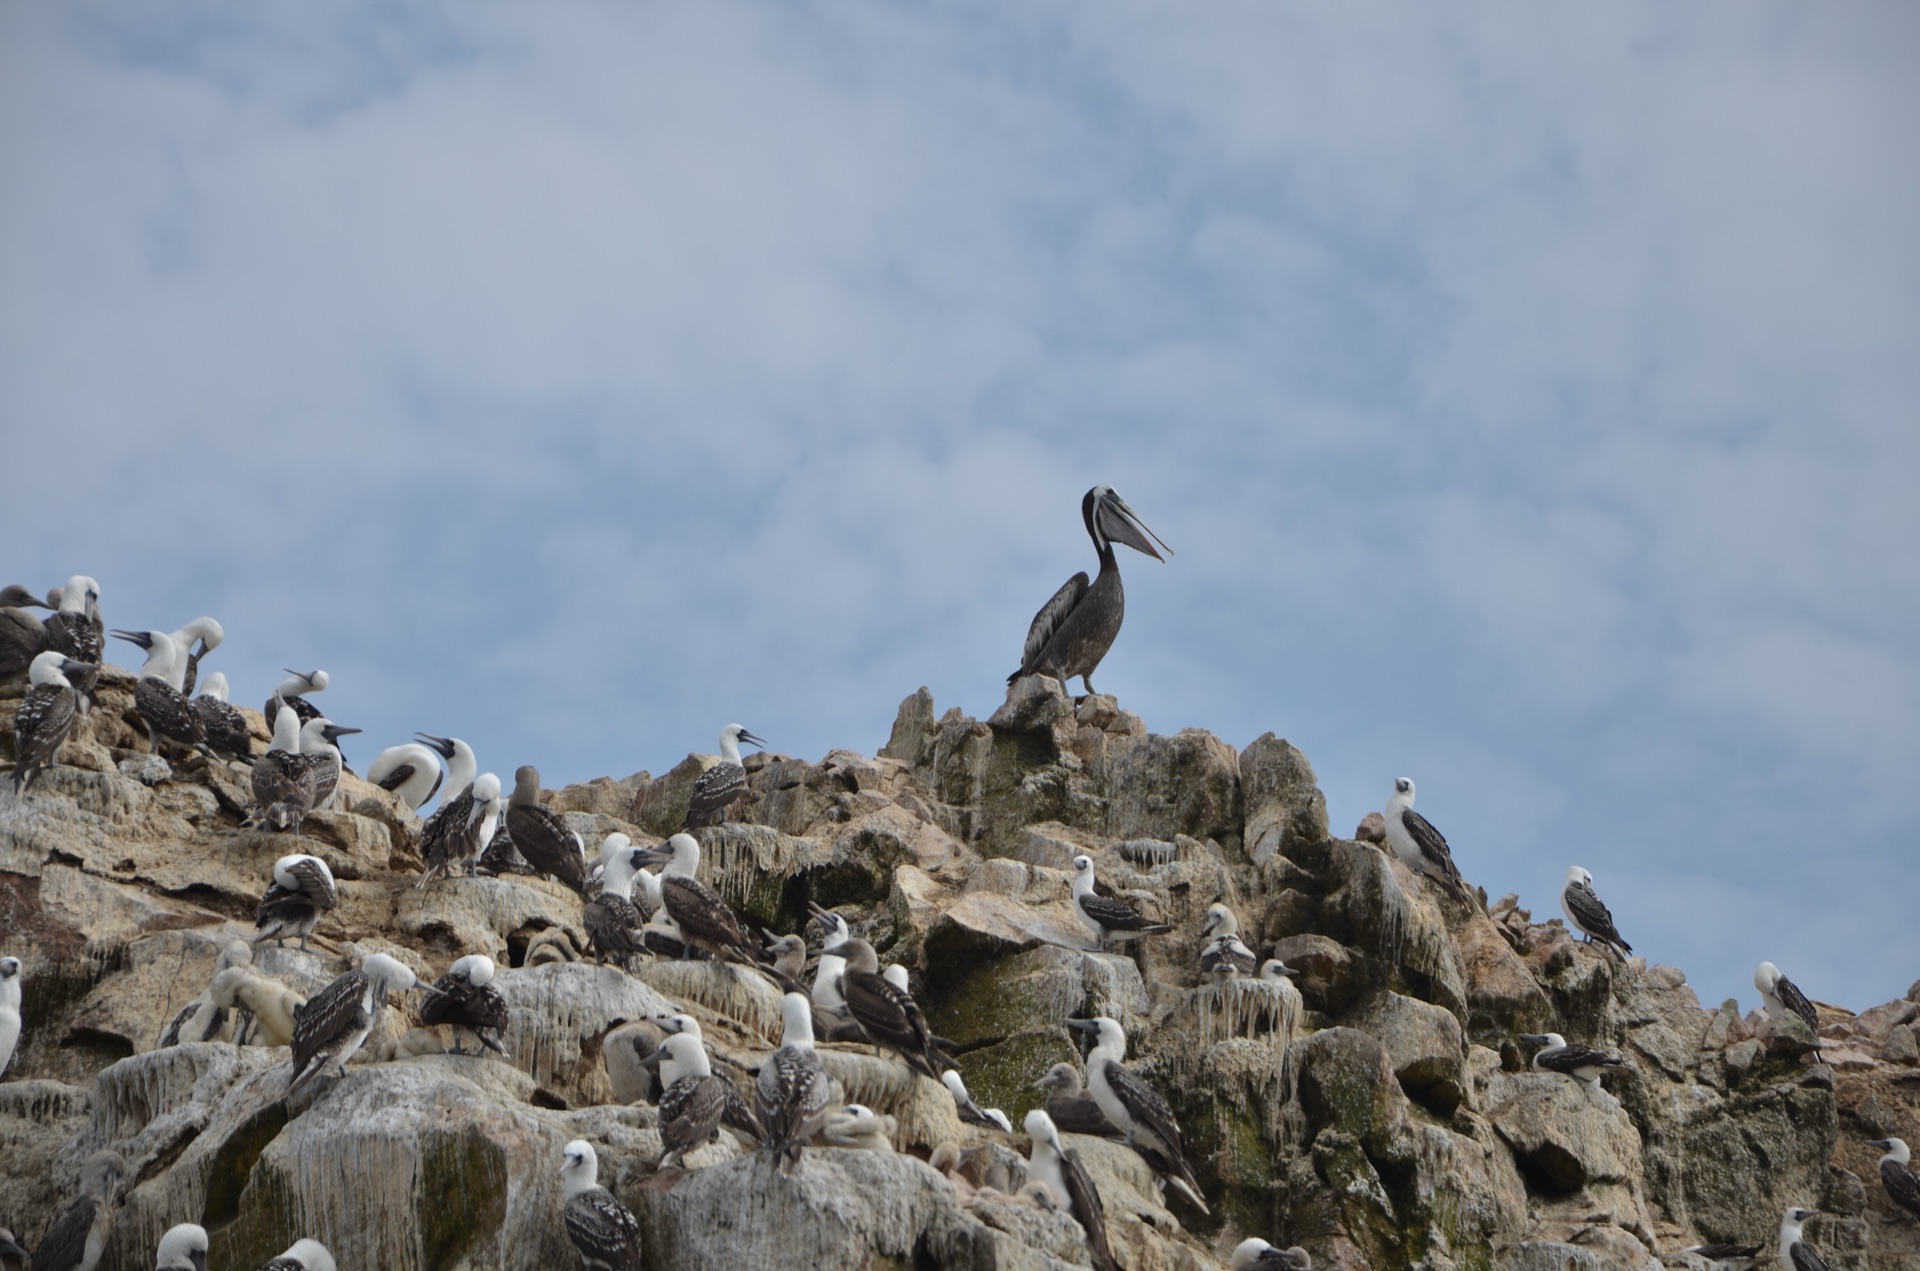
column 1123, row 525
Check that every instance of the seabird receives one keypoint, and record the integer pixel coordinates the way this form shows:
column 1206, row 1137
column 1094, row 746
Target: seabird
column 1074, row 630
column 306, row 1255
column 1586, row 912
column 465, row 998
column 1896, row 1172
column 227, row 733
column 284, row 780
column 317, row 737
column 717, row 787
column 601, row 1228
column 1255, row 1254
column 209, row 635
column 333, row 1023
column 204, row 1019
column 409, row 770
column 302, row 891
column 292, row 691
column 1107, row 919
column 183, row 1248
column 1072, row 1190
column 462, row 767
column 702, row 917
column 791, row 1090
column 1419, row 846
column 453, row 833
column 44, row 717
column 1225, row 956
column 1072, row 1109
column 500, row 857
column 9, row 1010
column 23, row 636
column 697, row 1104
column 1733, row 1257
column 858, row 1126
column 265, row 1003
column 1583, row 1063
column 77, row 631
column 1133, row 1105
column 613, row 922
column 889, row 1016
column 167, row 712
column 826, row 976
column 1783, row 995
column 75, row 1240
column 1795, row 1253
column 969, row 1110
column 541, row 834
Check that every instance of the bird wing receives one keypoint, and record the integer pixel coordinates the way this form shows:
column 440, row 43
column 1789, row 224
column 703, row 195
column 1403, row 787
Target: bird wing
column 1570, row 1057
column 614, row 925
column 889, row 1016
column 691, row 1109
column 41, row 723
column 1079, row 1114
column 440, row 835
column 316, row 883
column 1115, row 915
column 739, row 1115
column 396, row 777
column 1432, row 844
column 1902, row 1184
column 603, row 1231
column 283, row 1264
column 1803, row 1256
column 1593, row 915
column 65, row 1243
column 704, row 918
column 327, row 1014
column 791, row 1088
column 169, row 712
column 1048, row 620
column 1085, row 1199
column 547, row 844
column 1794, row 1000
column 1150, row 1113
column 1227, row 952
column 714, row 791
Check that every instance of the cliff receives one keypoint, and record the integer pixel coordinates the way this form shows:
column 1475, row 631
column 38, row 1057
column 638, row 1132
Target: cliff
column 1390, row 1122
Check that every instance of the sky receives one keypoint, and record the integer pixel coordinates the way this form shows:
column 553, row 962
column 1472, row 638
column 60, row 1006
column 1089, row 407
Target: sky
column 1529, row 395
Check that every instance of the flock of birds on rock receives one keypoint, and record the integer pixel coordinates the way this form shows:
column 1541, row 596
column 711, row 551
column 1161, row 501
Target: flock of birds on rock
column 477, row 828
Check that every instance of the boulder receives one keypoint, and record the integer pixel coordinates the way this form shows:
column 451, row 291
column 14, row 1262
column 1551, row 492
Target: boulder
column 1424, row 1044
column 1285, row 810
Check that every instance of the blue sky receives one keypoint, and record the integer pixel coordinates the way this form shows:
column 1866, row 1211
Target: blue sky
column 1529, row 395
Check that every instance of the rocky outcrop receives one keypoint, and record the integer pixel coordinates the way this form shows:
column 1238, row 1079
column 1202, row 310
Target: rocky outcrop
column 1380, row 1115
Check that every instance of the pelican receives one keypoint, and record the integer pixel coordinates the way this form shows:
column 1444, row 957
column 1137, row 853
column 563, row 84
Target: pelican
column 716, row 789
column 45, row 715
column 293, row 691
column 1074, row 630
column 227, row 731
column 409, row 770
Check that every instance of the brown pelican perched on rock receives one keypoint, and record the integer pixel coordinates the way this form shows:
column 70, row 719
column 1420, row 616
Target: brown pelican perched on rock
column 227, row 733
column 604, row 1232
column 702, row 917
column 23, row 636
column 333, row 1023
column 541, row 835
column 410, row 770
column 453, row 834
column 77, row 631
column 170, row 716
column 293, row 691
column 465, row 998
column 1133, row 1105
column 1074, row 630
column 1420, row 847
column 716, row 789
column 207, row 634
column 45, row 715
column 1072, row 1188
column 75, row 1240
column 302, row 892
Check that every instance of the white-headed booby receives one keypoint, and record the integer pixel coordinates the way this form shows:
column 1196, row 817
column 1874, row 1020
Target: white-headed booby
column 716, row 788
column 792, row 1089
column 1896, row 1173
column 10, row 977
column 301, row 892
column 333, row 1023
column 465, row 998
column 227, row 733
column 284, row 780
column 1072, row 1109
column 1585, row 911
column 1133, row 1105
column 183, row 1248
column 1419, row 846
column 77, row 631
column 462, row 767
column 1109, row 920
column 1072, row 1189
column 306, row 1255
column 317, row 738
column 44, row 717
column 452, row 835
column 208, row 634
column 613, row 922
column 1073, row 631
column 1255, row 1254
column 1583, row 1063
column 1783, row 996
column 702, row 917
column 697, row 1103
column 1795, row 1253
column 601, row 1228
column 826, row 975
column 541, row 834
column 969, row 1110
column 410, row 770
column 75, row 1240
column 170, row 716
column 293, row 692
column 1225, row 956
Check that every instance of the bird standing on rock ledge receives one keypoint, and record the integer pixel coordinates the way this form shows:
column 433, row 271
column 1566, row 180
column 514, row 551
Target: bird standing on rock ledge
column 718, row 787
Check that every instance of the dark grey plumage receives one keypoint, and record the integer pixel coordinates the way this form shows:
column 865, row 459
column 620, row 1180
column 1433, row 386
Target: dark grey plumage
column 44, row 717
column 318, row 738
column 12, row 1256
column 465, row 998
column 1731, row 1255
column 75, row 1240
column 501, row 857
column 792, row 1089
column 23, row 636
column 302, row 891
column 170, row 716
column 77, row 631
column 615, row 926
column 541, row 835
column 603, row 1232
column 698, row 1103
column 227, row 733
column 716, row 789
column 1585, row 911
column 1073, row 630
column 887, row 1014
column 703, row 918
column 1107, row 917
column 453, row 834
column 1794, row 1000
column 1897, row 1176
column 333, row 1023
column 1583, row 1063
column 1133, row 1105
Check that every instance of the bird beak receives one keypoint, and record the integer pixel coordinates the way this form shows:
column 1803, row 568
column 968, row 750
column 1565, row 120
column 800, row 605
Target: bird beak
column 72, row 664
column 333, row 733
column 142, row 638
column 1533, row 1038
column 1084, row 1025
column 655, row 1059
column 747, row 736
column 442, row 744
column 638, row 852
column 1128, row 528
column 650, row 856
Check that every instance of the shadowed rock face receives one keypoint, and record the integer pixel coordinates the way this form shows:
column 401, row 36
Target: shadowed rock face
column 1375, row 1111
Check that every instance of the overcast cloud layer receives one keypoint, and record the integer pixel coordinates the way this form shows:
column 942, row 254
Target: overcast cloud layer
column 1529, row 395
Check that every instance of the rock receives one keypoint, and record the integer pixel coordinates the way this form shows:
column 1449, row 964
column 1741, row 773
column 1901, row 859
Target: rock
column 1327, row 978
column 1346, row 1084
column 1284, row 807
column 1564, row 1136
column 1901, row 1046
column 1372, row 828
column 1425, row 1045
column 148, row 770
